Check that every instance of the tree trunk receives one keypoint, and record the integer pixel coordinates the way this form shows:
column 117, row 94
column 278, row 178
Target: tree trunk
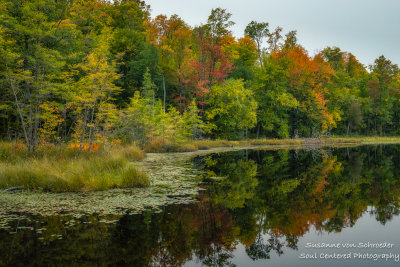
column 64, row 116
column 90, row 131
column 19, row 110
column 84, row 123
column 35, row 129
column 165, row 92
column 153, row 105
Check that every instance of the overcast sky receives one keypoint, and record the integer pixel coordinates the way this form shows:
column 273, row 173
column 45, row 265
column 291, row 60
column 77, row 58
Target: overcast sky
column 366, row 28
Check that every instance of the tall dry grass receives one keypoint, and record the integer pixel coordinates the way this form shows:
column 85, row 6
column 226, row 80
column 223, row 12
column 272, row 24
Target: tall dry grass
column 63, row 169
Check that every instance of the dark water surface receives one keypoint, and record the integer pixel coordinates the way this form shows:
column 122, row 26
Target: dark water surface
column 259, row 208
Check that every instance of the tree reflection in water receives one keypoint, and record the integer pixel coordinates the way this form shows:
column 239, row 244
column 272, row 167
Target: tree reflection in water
column 263, row 200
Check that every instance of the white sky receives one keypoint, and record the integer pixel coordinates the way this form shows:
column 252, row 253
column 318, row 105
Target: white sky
column 367, row 28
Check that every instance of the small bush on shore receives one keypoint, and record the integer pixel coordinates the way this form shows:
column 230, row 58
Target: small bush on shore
column 131, row 152
column 131, row 177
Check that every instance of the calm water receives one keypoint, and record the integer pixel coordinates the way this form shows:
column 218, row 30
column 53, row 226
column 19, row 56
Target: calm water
column 259, row 208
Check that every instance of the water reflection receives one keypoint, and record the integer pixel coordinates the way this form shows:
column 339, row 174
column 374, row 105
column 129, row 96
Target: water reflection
column 258, row 204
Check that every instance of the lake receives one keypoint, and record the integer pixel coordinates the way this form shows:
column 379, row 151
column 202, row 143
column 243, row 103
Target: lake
column 303, row 207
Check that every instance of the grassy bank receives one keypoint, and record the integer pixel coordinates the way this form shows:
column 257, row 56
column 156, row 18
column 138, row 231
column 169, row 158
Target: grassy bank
column 207, row 144
column 65, row 169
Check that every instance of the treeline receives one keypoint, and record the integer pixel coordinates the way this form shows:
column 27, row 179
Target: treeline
column 96, row 71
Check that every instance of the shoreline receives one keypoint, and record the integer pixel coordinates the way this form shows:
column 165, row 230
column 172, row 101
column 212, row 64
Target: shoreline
column 274, row 144
column 159, row 166
column 208, row 144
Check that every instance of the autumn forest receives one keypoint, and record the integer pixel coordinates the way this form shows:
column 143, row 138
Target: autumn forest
column 90, row 72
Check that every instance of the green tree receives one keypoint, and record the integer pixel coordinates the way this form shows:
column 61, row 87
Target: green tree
column 232, row 109
column 258, row 31
column 218, row 23
column 382, row 87
column 130, row 50
column 193, row 124
column 274, row 100
column 149, row 90
column 134, row 122
column 244, row 62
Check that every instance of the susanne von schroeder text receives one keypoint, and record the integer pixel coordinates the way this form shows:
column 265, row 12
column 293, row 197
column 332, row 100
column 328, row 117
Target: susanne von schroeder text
column 384, row 245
